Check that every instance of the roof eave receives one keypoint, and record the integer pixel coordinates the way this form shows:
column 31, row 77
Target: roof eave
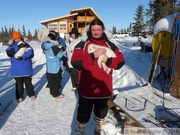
column 57, row 18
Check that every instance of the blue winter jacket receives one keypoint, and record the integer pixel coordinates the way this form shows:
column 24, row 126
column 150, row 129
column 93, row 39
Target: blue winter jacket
column 55, row 57
column 61, row 41
column 23, row 66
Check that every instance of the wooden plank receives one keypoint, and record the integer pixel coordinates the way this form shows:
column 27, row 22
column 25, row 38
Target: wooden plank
column 175, row 87
column 146, row 103
column 111, row 99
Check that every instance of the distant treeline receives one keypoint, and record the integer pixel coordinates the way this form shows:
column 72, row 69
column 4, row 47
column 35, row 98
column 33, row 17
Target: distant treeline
column 6, row 34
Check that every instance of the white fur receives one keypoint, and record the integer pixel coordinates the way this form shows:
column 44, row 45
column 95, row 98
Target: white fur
column 55, row 42
column 109, row 53
column 11, row 41
column 21, row 51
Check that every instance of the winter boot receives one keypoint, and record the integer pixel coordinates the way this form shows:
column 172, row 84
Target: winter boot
column 80, row 128
column 98, row 128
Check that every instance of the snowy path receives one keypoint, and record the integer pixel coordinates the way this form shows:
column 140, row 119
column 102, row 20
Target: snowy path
column 48, row 116
column 45, row 115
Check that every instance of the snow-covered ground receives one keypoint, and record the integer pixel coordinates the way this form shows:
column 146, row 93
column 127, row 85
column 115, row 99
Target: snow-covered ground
column 48, row 116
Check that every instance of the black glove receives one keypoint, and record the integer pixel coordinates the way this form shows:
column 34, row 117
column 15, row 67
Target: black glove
column 19, row 58
column 64, row 60
column 63, row 49
column 68, row 69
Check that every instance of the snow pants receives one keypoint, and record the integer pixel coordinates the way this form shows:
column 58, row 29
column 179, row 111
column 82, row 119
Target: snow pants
column 86, row 106
column 74, row 77
column 20, row 81
column 54, row 81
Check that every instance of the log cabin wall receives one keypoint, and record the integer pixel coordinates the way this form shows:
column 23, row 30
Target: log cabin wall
column 78, row 18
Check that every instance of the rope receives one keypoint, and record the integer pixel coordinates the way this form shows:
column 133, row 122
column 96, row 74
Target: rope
column 141, row 109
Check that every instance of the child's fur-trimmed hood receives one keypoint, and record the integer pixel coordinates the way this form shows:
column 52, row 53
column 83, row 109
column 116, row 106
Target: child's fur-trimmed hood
column 47, row 39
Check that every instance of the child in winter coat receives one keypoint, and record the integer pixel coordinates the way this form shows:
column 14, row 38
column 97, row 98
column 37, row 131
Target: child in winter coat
column 55, row 60
column 60, row 42
column 74, row 39
column 21, row 66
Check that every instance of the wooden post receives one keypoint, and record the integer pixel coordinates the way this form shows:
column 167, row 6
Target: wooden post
column 175, row 87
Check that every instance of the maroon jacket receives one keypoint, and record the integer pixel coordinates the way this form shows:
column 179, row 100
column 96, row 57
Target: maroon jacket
column 94, row 82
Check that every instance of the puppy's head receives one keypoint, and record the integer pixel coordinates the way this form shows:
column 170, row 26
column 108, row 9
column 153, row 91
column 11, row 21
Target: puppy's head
column 91, row 48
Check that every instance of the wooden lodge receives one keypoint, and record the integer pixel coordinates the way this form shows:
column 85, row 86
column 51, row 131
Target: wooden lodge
column 78, row 18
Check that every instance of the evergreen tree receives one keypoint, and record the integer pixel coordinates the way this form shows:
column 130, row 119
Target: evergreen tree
column 139, row 24
column 29, row 36
column 35, row 35
column 128, row 30
column 130, row 27
column 160, row 9
column 23, row 31
column 114, row 30
column 5, row 35
column 10, row 31
column 149, row 14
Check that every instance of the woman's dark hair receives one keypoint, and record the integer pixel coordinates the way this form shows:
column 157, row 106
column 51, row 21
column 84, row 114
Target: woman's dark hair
column 96, row 21
column 52, row 31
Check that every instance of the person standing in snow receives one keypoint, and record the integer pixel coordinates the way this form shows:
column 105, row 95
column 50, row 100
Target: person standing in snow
column 95, row 85
column 55, row 60
column 61, row 42
column 73, row 40
column 21, row 66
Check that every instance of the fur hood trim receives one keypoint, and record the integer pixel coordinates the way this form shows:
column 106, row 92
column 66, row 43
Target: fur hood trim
column 11, row 41
column 47, row 39
column 86, row 29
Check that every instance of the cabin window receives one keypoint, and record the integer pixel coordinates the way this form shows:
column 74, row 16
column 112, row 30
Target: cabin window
column 62, row 26
column 52, row 26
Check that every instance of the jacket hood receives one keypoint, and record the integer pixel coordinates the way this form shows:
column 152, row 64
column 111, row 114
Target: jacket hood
column 47, row 39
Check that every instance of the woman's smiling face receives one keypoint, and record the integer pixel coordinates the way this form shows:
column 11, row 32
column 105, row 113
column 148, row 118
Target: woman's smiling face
column 96, row 31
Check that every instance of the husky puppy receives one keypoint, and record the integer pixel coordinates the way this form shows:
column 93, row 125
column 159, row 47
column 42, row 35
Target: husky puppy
column 22, row 49
column 109, row 53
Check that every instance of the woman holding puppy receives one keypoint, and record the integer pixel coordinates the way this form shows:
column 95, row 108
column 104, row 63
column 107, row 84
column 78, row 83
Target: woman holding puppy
column 95, row 85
